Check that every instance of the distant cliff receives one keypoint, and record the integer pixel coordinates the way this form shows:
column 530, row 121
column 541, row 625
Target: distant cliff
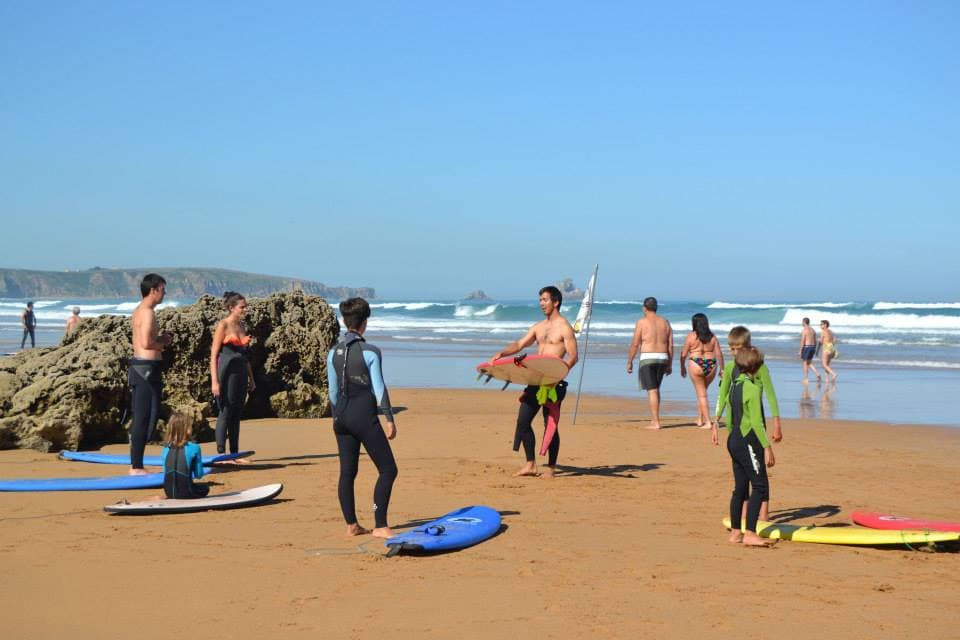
column 187, row 283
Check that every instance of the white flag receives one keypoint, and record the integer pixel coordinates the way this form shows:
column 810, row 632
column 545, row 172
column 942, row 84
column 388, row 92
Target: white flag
column 586, row 307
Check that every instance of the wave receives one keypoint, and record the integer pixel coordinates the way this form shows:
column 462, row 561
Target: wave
column 778, row 305
column 887, row 321
column 468, row 311
column 926, row 364
column 886, row 306
column 411, row 306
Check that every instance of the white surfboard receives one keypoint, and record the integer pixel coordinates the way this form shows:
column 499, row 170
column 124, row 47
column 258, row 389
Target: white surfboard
column 232, row 500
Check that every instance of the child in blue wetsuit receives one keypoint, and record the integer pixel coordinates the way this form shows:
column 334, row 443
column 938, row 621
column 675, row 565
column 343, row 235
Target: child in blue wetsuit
column 748, row 446
column 182, row 461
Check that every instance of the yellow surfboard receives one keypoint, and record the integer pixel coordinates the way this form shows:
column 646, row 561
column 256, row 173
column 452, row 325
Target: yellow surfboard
column 848, row 534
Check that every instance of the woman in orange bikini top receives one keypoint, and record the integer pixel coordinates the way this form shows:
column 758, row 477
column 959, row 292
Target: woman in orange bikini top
column 231, row 376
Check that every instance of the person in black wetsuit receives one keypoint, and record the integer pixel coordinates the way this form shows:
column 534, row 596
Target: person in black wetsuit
column 355, row 377
column 29, row 321
column 144, row 376
column 230, row 374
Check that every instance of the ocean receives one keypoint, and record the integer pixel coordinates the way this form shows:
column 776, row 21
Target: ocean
column 899, row 361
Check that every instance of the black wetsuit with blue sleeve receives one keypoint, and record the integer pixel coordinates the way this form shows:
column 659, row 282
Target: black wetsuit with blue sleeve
column 355, row 378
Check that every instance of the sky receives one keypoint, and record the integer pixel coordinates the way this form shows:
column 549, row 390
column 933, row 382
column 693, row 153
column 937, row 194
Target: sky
column 698, row 150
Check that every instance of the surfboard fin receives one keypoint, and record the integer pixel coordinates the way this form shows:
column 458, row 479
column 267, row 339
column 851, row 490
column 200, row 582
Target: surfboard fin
column 505, row 385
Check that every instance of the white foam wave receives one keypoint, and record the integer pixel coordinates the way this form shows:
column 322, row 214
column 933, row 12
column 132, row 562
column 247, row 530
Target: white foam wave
column 887, row 306
column 777, row 305
column 467, row 311
column 926, row 364
column 410, row 306
column 892, row 321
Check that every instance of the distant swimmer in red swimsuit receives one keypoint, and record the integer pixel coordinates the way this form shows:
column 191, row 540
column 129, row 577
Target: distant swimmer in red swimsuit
column 703, row 351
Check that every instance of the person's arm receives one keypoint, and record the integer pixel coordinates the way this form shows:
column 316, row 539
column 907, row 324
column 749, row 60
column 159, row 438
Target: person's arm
column 251, row 383
column 517, row 345
column 195, row 461
column 683, row 357
column 333, row 385
column 375, row 364
column 570, row 346
column 753, row 412
column 23, row 319
column 669, row 348
column 768, row 390
column 634, row 346
column 214, row 352
column 724, row 392
column 718, row 354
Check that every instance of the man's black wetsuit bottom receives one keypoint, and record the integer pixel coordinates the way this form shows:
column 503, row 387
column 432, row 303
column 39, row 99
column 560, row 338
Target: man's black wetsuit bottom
column 233, row 395
column 359, row 425
column 529, row 408
column 146, row 388
column 749, row 469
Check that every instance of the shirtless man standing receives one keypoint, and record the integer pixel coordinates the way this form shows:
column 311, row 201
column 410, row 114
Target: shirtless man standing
column 808, row 349
column 653, row 336
column 74, row 320
column 144, row 375
column 554, row 337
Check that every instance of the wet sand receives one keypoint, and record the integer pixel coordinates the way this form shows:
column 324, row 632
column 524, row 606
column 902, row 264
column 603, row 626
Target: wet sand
column 625, row 542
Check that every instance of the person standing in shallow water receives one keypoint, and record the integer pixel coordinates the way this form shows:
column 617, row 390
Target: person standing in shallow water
column 231, row 376
column 808, row 349
column 355, row 379
column 144, row 376
column 29, row 321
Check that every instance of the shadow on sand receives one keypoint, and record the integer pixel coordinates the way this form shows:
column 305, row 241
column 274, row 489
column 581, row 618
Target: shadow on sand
column 610, row 471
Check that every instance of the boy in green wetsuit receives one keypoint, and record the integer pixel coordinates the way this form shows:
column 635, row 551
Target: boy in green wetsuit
column 738, row 339
column 747, row 436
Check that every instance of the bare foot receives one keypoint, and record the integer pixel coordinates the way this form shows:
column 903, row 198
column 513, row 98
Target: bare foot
column 529, row 469
column 241, row 461
column 736, row 537
column 751, row 539
column 356, row 530
column 549, row 472
column 137, row 472
column 383, row 532
column 653, row 427
column 704, row 426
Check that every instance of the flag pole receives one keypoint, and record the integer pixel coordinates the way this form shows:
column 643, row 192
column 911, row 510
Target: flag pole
column 586, row 339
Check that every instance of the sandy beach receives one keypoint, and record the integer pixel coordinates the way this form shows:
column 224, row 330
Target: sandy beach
column 625, row 542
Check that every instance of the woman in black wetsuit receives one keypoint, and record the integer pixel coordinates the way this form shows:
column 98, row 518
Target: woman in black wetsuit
column 231, row 376
column 355, row 377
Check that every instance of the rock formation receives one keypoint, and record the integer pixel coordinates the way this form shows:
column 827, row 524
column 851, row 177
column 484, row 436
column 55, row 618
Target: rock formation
column 73, row 395
column 476, row 295
column 569, row 290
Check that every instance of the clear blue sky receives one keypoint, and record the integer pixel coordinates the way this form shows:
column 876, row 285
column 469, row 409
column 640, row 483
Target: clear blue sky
column 697, row 150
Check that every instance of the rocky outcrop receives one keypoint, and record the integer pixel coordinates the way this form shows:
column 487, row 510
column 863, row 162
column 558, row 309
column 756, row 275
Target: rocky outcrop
column 569, row 290
column 182, row 283
column 476, row 295
column 73, row 395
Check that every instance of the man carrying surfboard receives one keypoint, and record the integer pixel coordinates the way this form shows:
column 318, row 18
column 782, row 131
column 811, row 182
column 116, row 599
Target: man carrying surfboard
column 554, row 337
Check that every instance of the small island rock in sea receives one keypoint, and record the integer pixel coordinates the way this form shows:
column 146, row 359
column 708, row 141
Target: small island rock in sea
column 476, row 295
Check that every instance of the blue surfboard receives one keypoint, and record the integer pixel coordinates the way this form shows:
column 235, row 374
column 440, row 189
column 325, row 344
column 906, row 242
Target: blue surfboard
column 461, row 528
column 149, row 461
column 149, row 481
